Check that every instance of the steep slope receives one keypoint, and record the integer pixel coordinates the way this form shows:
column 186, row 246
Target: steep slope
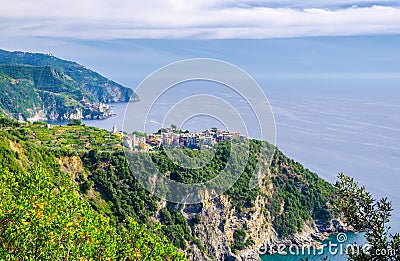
column 289, row 203
column 43, row 216
column 41, row 87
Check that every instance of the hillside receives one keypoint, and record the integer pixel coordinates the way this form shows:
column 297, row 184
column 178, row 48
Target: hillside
column 43, row 87
column 44, row 217
column 289, row 203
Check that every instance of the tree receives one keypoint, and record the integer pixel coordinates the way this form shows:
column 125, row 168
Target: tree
column 74, row 122
column 239, row 237
column 42, row 220
column 364, row 213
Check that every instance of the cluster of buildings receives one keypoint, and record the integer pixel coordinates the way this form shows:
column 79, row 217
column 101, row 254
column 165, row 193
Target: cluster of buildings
column 102, row 110
column 172, row 137
column 102, row 107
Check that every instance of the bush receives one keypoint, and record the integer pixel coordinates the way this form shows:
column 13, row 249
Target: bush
column 74, row 122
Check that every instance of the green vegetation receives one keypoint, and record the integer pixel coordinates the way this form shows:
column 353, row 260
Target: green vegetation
column 176, row 229
column 37, row 83
column 89, row 166
column 239, row 240
column 75, row 138
column 241, row 193
column 139, row 134
column 43, row 216
column 74, row 122
column 372, row 216
column 112, row 177
column 299, row 195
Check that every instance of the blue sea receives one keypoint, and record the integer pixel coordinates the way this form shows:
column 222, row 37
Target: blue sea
column 354, row 128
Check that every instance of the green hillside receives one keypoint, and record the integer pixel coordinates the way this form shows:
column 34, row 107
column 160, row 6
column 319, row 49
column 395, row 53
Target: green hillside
column 39, row 86
column 80, row 175
column 44, row 217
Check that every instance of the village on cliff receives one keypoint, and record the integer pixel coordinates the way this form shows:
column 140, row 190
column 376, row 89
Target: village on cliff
column 139, row 141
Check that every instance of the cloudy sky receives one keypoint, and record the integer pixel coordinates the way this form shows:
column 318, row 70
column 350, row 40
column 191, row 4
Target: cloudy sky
column 209, row 19
column 128, row 39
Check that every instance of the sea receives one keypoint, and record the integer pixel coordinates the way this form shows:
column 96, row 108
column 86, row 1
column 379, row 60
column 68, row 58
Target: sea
column 354, row 128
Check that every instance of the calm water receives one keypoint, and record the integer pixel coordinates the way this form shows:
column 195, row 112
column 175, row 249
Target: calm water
column 331, row 252
column 327, row 131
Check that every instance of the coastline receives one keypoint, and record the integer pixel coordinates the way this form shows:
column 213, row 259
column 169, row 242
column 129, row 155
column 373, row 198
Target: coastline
column 330, row 247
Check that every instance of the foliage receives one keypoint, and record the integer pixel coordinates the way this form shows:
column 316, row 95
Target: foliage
column 75, row 138
column 47, row 220
column 227, row 157
column 364, row 213
column 139, row 134
column 7, row 122
column 31, row 83
column 92, row 82
column 111, row 189
column 111, row 175
column 176, row 226
column 42, row 215
column 74, row 122
column 300, row 195
column 239, row 240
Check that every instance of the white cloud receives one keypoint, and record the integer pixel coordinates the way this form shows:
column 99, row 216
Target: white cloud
column 109, row 19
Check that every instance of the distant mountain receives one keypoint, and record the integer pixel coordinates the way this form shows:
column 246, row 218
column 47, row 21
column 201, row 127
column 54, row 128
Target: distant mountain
column 42, row 87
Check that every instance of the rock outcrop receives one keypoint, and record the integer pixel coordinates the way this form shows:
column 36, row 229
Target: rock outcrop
column 220, row 218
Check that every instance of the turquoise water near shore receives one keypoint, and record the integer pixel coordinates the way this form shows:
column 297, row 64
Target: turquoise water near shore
column 336, row 251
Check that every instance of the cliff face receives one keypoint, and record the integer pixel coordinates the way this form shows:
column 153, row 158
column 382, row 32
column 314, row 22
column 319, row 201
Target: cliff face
column 93, row 111
column 221, row 219
column 43, row 87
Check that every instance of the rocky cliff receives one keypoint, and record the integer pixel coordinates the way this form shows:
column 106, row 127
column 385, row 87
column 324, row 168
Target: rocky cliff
column 220, row 219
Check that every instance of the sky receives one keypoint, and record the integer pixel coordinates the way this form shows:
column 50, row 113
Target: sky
column 128, row 39
column 266, row 37
column 206, row 19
